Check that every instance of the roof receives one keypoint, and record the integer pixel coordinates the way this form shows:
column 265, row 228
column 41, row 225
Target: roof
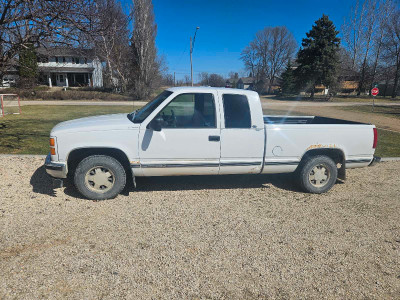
column 205, row 89
column 64, row 51
column 247, row 80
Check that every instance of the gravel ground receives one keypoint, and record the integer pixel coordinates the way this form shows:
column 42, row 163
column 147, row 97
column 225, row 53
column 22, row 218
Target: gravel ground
column 230, row 237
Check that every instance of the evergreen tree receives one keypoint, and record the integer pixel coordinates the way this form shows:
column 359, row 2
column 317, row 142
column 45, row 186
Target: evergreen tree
column 318, row 58
column 28, row 69
column 288, row 80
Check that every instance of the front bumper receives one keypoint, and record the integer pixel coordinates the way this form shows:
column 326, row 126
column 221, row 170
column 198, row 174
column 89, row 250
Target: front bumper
column 55, row 169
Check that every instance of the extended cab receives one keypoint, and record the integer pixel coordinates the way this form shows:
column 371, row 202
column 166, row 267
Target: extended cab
column 205, row 131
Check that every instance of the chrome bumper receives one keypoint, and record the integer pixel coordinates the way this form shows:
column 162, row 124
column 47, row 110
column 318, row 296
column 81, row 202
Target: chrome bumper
column 55, row 169
column 374, row 161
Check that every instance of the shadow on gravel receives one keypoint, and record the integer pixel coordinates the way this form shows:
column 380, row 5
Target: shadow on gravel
column 179, row 183
column 43, row 184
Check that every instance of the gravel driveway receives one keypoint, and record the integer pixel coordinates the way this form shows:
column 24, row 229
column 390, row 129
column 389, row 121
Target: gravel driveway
column 231, row 237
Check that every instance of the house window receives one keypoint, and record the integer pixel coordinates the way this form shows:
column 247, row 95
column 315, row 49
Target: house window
column 42, row 59
column 64, row 60
column 56, row 59
column 85, row 60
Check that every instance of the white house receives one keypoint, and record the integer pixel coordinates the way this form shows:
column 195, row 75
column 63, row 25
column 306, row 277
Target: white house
column 68, row 67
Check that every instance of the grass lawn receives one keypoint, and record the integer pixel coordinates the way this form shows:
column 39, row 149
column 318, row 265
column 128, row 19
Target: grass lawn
column 392, row 111
column 388, row 144
column 28, row 133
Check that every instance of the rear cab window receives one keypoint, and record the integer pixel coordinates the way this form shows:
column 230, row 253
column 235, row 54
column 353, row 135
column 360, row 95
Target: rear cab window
column 236, row 111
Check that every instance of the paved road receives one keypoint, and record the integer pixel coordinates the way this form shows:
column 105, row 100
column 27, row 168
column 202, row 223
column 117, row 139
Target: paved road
column 78, row 102
column 276, row 103
column 265, row 103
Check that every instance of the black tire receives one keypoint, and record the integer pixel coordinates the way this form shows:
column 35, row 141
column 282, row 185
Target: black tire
column 102, row 165
column 312, row 172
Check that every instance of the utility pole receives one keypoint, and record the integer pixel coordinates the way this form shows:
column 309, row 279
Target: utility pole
column 191, row 52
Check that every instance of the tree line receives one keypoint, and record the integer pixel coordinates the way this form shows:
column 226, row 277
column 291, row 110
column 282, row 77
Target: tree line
column 366, row 50
column 128, row 52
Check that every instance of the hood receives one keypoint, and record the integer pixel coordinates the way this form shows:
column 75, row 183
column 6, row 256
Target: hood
column 97, row 123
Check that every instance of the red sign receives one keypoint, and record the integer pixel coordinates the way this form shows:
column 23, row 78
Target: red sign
column 375, row 91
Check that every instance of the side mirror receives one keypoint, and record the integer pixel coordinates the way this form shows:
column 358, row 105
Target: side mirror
column 155, row 124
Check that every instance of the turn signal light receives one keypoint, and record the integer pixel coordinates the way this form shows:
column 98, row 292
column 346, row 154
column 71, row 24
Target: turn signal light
column 52, row 142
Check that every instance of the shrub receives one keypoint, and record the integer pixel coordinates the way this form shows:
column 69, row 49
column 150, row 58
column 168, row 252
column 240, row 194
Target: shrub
column 70, row 94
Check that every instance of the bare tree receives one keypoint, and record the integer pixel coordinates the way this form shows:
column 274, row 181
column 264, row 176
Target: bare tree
column 383, row 11
column 187, row 80
column 267, row 55
column 41, row 22
column 204, row 78
column 168, row 80
column 363, row 34
column 352, row 31
column 282, row 48
column 144, row 52
column 112, row 43
column 250, row 59
column 216, row 80
column 392, row 44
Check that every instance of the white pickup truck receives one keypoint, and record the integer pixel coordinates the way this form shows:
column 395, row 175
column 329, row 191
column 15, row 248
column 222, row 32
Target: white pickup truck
column 205, row 131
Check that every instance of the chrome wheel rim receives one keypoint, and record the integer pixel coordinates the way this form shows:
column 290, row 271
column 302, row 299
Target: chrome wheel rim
column 99, row 179
column 319, row 176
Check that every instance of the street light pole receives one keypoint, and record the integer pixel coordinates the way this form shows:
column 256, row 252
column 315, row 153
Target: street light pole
column 191, row 52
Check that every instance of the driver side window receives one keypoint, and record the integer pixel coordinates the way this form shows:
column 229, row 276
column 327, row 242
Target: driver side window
column 191, row 110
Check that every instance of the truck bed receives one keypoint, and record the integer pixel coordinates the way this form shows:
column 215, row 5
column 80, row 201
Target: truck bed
column 304, row 120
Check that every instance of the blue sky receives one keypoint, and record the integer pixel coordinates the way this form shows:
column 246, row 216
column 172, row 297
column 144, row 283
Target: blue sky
column 226, row 27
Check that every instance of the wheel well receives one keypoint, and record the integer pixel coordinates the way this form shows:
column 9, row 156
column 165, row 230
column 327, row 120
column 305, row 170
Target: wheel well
column 336, row 155
column 76, row 156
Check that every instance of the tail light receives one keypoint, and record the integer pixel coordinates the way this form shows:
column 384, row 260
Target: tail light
column 375, row 138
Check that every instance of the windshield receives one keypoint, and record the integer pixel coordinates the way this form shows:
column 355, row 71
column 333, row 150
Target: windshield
column 140, row 115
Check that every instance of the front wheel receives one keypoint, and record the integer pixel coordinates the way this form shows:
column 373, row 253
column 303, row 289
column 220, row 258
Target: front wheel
column 318, row 174
column 100, row 177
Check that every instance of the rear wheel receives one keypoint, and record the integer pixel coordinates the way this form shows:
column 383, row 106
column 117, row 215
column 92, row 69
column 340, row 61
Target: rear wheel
column 100, row 177
column 318, row 174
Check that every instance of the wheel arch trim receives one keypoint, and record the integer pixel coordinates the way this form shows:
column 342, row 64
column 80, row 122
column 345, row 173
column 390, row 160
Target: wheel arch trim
column 120, row 155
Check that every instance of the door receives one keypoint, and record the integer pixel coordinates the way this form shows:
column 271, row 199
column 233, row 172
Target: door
column 189, row 141
column 60, row 80
column 242, row 139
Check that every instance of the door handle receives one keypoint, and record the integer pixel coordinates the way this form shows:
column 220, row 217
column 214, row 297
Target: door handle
column 256, row 128
column 214, row 138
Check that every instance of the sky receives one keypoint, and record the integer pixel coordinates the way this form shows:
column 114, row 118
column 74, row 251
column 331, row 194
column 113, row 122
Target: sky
column 227, row 26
